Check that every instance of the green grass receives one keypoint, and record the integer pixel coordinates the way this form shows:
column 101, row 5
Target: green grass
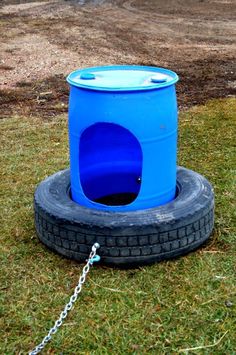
column 160, row 309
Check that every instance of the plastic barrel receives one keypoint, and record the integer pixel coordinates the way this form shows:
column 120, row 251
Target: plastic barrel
column 123, row 137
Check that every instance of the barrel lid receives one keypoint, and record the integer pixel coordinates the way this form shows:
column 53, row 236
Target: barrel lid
column 122, row 78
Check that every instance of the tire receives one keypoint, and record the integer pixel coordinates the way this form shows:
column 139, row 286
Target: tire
column 126, row 239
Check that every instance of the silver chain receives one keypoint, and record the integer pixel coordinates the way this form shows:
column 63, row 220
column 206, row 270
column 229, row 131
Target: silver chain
column 92, row 258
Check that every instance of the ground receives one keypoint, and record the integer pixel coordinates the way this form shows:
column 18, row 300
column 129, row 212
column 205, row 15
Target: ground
column 186, row 305
column 43, row 41
column 163, row 309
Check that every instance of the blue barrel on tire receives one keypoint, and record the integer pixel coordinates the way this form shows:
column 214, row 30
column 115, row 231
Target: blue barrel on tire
column 123, row 137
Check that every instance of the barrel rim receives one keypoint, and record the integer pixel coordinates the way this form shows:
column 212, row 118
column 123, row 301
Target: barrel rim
column 152, row 86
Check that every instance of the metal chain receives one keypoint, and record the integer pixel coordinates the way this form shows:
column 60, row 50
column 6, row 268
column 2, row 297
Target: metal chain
column 92, row 258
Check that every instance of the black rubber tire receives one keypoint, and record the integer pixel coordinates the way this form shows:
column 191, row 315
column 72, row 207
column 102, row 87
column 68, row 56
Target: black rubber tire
column 126, row 239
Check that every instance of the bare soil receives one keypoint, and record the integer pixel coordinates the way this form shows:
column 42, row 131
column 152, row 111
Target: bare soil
column 42, row 41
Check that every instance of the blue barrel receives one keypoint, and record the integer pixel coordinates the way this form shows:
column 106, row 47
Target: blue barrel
column 123, row 137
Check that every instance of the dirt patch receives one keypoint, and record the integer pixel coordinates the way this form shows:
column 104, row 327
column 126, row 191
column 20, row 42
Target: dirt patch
column 45, row 98
column 14, row 6
column 42, row 41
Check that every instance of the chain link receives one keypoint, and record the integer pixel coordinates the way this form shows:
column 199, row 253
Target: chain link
column 92, row 258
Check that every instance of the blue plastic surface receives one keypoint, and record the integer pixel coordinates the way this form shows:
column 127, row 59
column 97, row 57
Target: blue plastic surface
column 120, row 78
column 123, row 135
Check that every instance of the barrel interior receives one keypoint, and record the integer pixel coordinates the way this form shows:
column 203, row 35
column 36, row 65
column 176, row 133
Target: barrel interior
column 110, row 164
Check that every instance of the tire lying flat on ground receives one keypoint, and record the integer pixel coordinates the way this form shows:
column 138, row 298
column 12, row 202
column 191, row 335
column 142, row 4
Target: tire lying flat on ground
column 129, row 238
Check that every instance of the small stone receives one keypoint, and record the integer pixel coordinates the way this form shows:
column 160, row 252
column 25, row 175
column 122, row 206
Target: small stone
column 135, row 347
column 228, row 303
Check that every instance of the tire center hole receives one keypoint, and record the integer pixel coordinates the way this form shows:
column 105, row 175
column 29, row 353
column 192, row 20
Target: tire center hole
column 119, row 199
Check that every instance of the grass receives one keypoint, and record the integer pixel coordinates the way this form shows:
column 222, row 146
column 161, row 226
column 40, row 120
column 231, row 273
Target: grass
column 187, row 305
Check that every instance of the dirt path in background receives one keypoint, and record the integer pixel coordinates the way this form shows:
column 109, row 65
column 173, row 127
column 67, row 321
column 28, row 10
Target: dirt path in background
column 42, row 41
